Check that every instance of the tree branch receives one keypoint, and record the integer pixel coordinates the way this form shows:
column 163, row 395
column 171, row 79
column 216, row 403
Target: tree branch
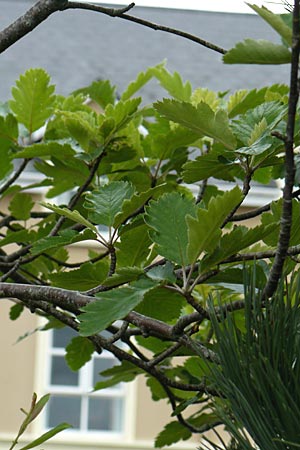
column 286, row 215
column 44, row 8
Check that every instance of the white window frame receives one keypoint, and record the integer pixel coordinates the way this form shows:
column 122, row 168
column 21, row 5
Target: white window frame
column 44, row 352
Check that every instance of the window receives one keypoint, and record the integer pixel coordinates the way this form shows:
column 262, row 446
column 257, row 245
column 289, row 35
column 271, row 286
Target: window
column 72, row 399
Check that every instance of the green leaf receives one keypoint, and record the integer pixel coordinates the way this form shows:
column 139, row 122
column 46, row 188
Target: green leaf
column 78, row 352
column 65, row 237
column 106, row 202
column 8, row 141
column 260, row 51
column 276, row 22
column 33, row 99
column 21, row 206
column 133, row 247
column 212, row 164
column 15, row 311
column 122, row 373
column 46, row 436
column 15, row 237
column 101, row 91
column 75, row 216
column 162, row 304
column 111, row 306
column 142, row 79
column 167, row 219
column 133, row 204
column 122, row 112
column 236, row 240
column 173, row 83
column 204, row 232
column 201, row 119
column 162, row 273
column 87, row 276
column 57, row 149
column 172, row 432
column 124, row 275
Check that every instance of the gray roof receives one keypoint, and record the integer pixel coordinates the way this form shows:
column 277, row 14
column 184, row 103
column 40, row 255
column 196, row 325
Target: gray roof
column 77, row 47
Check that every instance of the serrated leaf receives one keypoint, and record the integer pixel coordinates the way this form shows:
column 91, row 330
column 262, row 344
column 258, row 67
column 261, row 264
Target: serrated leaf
column 161, row 304
column 258, row 130
column 173, row 83
column 46, row 436
column 65, row 237
column 33, row 99
column 201, row 119
column 157, row 391
column 260, row 51
column 57, row 149
column 209, row 165
column 122, row 373
column 133, row 247
column 111, row 306
column 276, row 22
column 21, row 206
column 122, row 112
column 106, row 202
column 78, row 352
column 167, row 219
column 75, row 216
column 142, row 79
column 204, row 231
column 162, row 273
column 206, row 96
column 172, row 432
column 101, row 91
column 133, row 204
column 236, row 240
column 87, row 276
column 8, row 141
column 15, row 237
column 123, row 275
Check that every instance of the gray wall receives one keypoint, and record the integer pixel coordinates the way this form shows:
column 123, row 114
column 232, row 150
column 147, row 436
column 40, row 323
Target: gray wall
column 76, row 47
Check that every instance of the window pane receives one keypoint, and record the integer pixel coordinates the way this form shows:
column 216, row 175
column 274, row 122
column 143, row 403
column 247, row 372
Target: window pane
column 62, row 336
column 105, row 414
column 63, row 409
column 101, row 364
column 61, row 374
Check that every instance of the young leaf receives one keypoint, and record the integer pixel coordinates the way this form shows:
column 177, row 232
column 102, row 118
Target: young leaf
column 172, row 432
column 21, row 206
column 78, row 352
column 142, row 79
column 101, row 91
column 56, row 149
column 276, row 22
column 173, row 83
column 33, row 99
column 106, row 202
column 167, row 219
column 201, row 119
column 204, row 232
column 111, row 306
column 261, row 51
column 75, row 216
